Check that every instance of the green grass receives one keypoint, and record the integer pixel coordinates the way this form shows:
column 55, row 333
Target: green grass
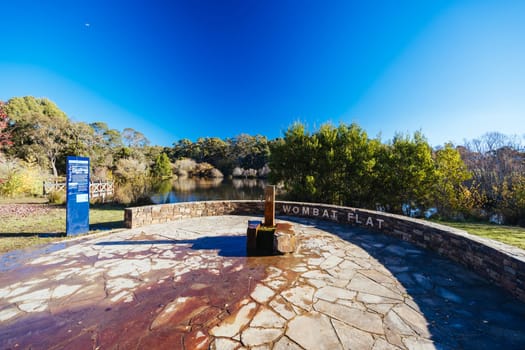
column 512, row 235
column 22, row 232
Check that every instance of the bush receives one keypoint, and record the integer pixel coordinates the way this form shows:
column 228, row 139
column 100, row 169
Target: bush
column 215, row 174
column 132, row 181
column 133, row 192
column 57, row 197
column 264, row 171
column 202, row 170
column 21, row 179
column 250, row 173
column 129, row 168
column 183, row 167
column 162, row 166
column 237, row 172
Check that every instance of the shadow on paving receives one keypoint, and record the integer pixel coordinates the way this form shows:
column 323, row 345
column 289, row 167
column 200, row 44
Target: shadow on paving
column 226, row 246
column 32, row 234
column 463, row 310
column 108, row 225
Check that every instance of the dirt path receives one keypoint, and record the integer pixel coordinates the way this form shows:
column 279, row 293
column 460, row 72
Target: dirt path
column 25, row 210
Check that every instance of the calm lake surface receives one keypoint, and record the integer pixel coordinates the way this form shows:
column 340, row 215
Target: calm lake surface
column 192, row 190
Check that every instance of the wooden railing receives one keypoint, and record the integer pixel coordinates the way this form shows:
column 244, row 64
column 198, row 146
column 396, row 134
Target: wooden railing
column 101, row 190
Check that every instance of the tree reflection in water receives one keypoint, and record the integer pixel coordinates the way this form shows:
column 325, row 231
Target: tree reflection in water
column 196, row 189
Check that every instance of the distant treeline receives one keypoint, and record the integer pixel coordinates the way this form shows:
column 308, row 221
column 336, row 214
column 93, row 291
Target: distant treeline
column 36, row 137
column 481, row 179
column 241, row 153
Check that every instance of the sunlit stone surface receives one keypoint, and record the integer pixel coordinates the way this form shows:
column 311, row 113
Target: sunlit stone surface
column 189, row 285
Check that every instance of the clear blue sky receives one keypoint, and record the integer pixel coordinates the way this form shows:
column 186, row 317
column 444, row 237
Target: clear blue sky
column 186, row 69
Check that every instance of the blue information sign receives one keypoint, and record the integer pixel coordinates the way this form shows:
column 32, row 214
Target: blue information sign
column 77, row 202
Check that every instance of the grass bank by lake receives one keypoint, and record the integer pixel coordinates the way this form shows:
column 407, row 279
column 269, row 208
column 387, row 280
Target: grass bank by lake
column 512, row 235
column 28, row 224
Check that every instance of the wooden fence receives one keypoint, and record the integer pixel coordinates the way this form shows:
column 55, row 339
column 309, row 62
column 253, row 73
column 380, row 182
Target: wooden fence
column 102, row 190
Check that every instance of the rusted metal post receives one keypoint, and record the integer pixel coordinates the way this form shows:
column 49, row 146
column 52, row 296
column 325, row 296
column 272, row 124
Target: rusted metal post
column 269, row 206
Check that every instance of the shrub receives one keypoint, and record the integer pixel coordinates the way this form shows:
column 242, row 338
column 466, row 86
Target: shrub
column 202, row 170
column 130, row 168
column 57, row 197
column 237, row 172
column 251, row 173
column 183, row 167
column 264, row 171
column 133, row 192
column 21, row 179
column 162, row 166
column 215, row 174
column 132, row 181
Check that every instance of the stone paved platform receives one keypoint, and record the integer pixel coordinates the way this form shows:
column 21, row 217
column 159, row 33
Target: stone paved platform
column 189, row 285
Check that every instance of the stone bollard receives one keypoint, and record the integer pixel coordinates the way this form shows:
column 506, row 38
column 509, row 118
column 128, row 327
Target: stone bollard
column 261, row 240
column 284, row 239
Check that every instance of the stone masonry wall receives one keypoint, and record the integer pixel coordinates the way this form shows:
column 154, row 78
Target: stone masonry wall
column 501, row 264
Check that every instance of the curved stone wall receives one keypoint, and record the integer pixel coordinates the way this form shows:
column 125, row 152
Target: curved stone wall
column 502, row 264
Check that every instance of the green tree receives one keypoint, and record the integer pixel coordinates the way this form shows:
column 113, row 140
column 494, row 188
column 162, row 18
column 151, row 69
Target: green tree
column 211, row 150
column 134, row 138
column 105, row 144
column 293, row 164
column 19, row 107
column 40, row 130
column 356, row 158
column 249, row 152
column 133, row 180
column 243, row 151
column 451, row 195
column 406, row 174
column 333, row 165
column 79, row 141
column 162, row 166
column 513, row 200
column 181, row 149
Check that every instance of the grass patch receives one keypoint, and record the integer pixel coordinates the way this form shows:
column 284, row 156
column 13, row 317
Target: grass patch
column 512, row 235
column 49, row 225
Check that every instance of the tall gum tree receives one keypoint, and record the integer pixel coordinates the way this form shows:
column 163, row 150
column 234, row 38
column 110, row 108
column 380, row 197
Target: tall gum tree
column 39, row 129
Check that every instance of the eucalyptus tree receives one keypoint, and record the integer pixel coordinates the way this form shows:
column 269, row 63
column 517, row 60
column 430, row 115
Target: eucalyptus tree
column 39, row 130
column 134, row 138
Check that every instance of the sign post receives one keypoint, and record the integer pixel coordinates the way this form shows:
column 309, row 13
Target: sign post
column 77, row 200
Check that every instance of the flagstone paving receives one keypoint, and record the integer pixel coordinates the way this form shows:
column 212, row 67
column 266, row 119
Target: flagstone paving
column 189, row 285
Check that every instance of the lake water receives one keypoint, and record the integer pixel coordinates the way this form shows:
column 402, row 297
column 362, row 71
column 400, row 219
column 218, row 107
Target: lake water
column 191, row 190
